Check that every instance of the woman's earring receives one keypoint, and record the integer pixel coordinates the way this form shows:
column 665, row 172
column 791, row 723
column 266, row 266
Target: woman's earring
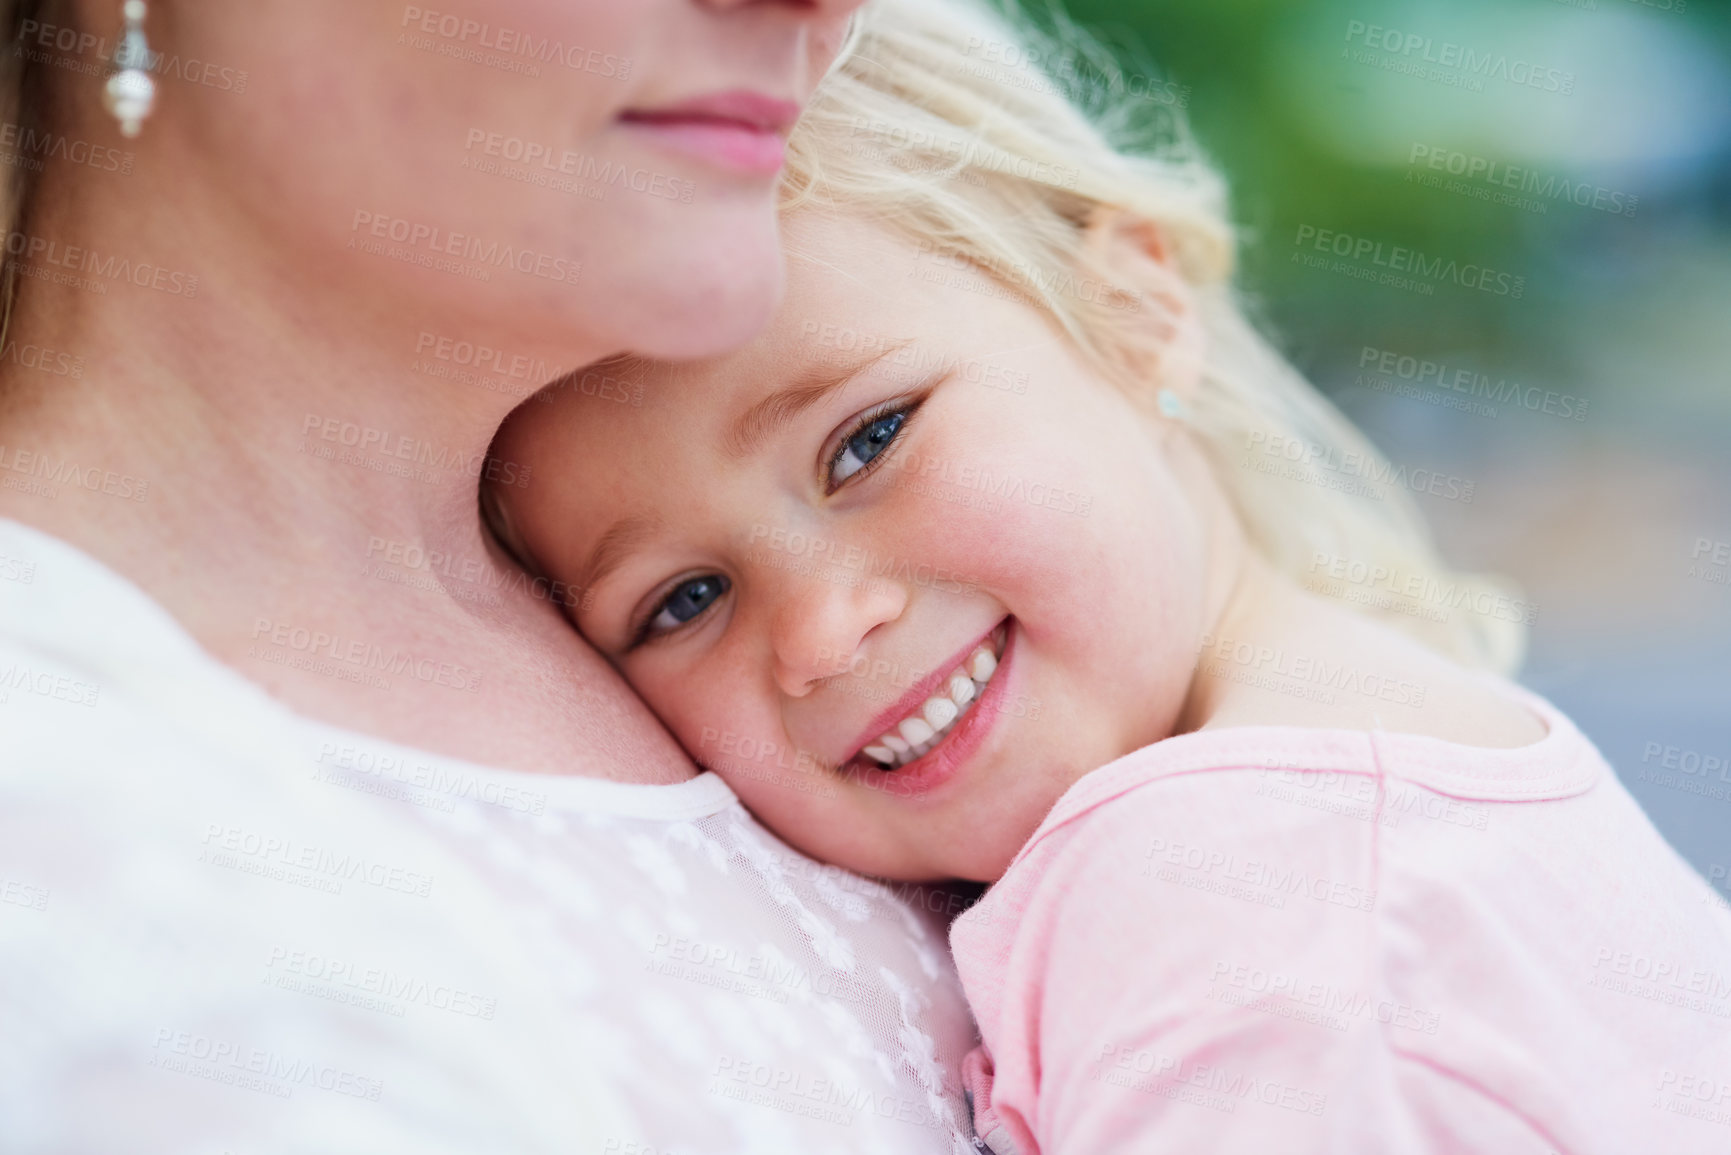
column 1172, row 405
column 130, row 93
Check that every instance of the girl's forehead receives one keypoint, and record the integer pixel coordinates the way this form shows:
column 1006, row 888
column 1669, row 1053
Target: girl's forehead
column 858, row 298
column 856, row 292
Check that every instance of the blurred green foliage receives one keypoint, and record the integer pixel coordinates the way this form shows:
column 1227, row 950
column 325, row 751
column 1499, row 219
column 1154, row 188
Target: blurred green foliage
column 1303, row 134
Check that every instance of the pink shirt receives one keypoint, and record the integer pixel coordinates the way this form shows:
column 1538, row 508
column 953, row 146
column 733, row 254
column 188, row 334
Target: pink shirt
column 1281, row 939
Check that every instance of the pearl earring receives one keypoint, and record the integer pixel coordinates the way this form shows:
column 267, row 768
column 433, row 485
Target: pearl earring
column 130, row 94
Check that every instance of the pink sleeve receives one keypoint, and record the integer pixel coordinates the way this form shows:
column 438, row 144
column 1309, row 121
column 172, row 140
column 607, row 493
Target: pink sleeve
column 1181, row 970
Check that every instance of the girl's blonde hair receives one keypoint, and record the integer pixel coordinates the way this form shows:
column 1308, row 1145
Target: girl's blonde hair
column 995, row 144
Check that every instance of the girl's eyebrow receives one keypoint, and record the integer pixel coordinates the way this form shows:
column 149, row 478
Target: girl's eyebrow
column 613, row 547
column 776, row 410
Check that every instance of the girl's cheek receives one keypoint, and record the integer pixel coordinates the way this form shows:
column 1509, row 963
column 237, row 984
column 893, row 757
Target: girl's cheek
column 709, row 730
column 739, row 739
column 694, row 722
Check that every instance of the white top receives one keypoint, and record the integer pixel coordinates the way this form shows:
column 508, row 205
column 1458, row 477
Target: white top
column 227, row 928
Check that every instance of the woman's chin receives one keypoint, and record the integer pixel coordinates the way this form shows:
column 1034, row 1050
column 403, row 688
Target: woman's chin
column 731, row 327
column 694, row 293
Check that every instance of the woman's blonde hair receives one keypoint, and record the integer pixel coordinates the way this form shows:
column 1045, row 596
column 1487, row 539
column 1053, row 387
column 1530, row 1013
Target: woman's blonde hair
column 993, row 143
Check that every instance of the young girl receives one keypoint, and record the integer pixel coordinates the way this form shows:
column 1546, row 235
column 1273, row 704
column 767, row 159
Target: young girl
column 1010, row 553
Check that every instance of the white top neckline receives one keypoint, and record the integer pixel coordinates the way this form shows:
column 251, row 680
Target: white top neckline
column 132, row 642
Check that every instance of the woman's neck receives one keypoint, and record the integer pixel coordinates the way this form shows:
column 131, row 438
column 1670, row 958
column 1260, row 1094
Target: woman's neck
column 260, row 446
column 222, row 376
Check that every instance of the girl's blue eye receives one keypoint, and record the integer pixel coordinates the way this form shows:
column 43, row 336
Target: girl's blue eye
column 688, row 599
column 871, row 438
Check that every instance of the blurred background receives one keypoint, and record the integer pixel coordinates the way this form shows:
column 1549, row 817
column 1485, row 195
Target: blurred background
column 1581, row 151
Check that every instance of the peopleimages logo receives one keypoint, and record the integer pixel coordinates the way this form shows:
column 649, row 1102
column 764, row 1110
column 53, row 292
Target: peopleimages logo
column 1218, row 1087
column 1022, row 278
column 1420, row 373
column 1398, row 259
column 27, row 679
column 363, row 657
column 88, row 53
column 801, row 1093
column 413, row 451
column 45, row 476
column 28, row 148
column 421, row 237
column 41, row 359
column 1408, row 590
column 541, row 163
column 1452, row 62
column 822, row 551
column 482, row 43
column 482, row 358
column 1484, row 178
column 254, row 1068
column 1226, row 653
column 45, row 254
column 1069, row 73
column 1264, row 451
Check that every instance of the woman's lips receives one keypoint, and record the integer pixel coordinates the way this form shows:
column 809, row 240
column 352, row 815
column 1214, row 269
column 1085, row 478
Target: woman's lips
column 741, row 130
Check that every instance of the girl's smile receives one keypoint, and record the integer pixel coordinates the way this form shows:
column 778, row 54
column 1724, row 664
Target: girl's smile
column 924, row 740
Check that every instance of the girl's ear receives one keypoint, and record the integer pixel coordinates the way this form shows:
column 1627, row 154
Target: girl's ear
column 1109, row 228
column 1160, row 326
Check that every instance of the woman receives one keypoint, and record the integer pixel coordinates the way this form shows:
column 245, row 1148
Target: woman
column 317, row 826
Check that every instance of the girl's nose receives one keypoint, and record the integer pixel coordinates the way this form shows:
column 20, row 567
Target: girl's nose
column 821, row 622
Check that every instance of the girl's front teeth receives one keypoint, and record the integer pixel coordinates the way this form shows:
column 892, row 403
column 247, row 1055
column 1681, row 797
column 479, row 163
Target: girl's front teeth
column 937, row 715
